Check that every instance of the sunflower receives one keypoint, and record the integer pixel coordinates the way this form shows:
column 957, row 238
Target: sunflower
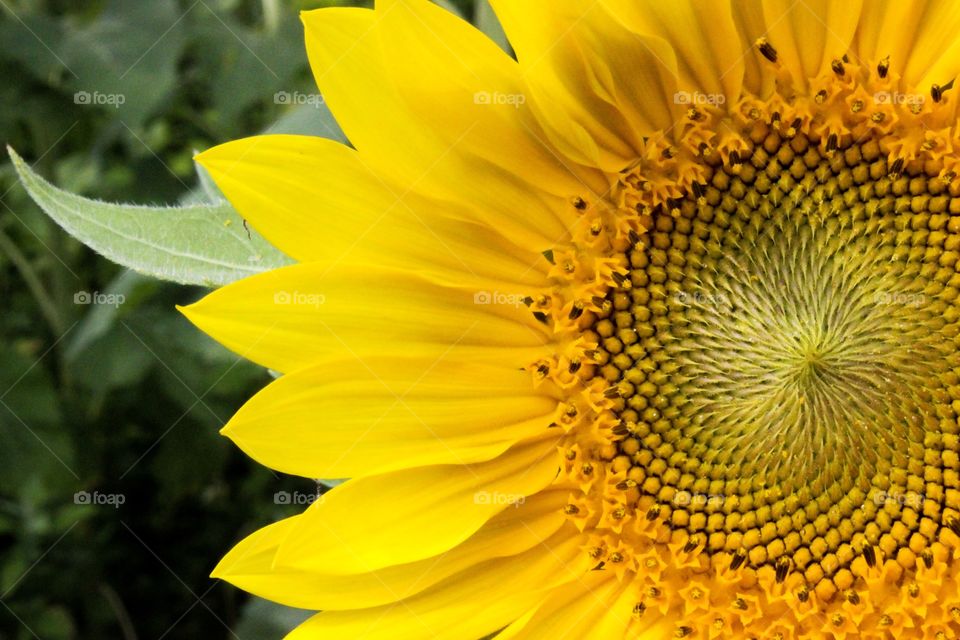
column 651, row 332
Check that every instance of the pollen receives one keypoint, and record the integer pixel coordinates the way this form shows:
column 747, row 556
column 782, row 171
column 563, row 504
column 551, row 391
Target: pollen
column 766, row 334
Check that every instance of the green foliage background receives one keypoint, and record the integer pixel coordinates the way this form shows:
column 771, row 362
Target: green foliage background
column 127, row 399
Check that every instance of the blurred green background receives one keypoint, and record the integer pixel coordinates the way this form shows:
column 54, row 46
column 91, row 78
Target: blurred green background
column 117, row 495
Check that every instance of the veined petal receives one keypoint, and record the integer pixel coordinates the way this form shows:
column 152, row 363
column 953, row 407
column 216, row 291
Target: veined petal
column 373, row 522
column 291, row 317
column 396, row 136
column 616, row 85
column 497, row 592
column 473, row 92
column 250, row 565
column 318, row 201
column 573, row 610
column 920, row 37
column 598, row 606
column 809, row 35
column 710, row 53
column 353, row 417
column 748, row 18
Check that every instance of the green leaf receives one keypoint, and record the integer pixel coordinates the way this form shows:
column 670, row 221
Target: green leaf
column 205, row 244
column 208, row 187
column 33, row 443
column 125, row 60
column 244, row 65
column 486, row 20
column 449, row 6
column 264, row 619
column 309, row 120
column 126, row 288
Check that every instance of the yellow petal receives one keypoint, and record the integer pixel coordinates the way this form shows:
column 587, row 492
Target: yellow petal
column 347, row 418
column 758, row 77
column 298, row 315
column 250, row 565
column 377, row 521
column 317, row 200
column 472, row 92
column 704, row 37
column 920, row 37
column 614, row 84
column 585, row 608
column 450, row 161
column 809, row 35
column 468, row 606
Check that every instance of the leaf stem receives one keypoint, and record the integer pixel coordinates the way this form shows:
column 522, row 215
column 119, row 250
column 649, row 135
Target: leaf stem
column 34, row 284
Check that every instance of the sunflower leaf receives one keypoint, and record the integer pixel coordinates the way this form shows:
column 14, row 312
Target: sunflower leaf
column 486, row 20
column 200, row 244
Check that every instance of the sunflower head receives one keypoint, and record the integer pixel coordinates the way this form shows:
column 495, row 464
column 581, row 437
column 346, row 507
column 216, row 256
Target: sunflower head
column 652, row 330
